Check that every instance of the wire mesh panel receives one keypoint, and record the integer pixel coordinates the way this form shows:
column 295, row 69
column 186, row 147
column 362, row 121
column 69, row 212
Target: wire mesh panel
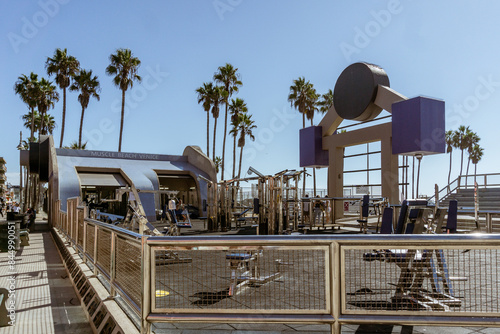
column 63, row 221
column 72, row 217
column 104, row 250
column 89, row 242
column 80, row 227
column 227, row 279
column 128, row 268
column 421, row 280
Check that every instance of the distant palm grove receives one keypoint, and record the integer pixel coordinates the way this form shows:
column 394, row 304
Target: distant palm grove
column 40, row 96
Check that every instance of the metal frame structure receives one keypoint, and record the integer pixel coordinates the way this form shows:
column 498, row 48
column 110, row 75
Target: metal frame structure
column 277, row 197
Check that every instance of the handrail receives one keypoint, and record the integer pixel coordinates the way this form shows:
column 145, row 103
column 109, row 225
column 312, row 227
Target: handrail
column 461, row 185
column 114, row 228
column 430, row 240
column 335, row 245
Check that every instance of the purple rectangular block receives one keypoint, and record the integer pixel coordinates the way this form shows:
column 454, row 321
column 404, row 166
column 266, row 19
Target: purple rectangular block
column 311, row 147
column 418, row 126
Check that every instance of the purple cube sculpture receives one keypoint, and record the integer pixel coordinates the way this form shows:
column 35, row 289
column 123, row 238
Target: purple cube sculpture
column 311, row 147
column 418, row 126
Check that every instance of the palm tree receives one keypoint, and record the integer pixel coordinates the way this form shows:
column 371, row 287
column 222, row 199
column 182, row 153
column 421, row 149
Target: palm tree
column 236, row 107
column 235, row 124
column 229, row 79
column 451, row 143
column 472, row 140
column 27, row 87
column 124, row 67
column 46, row 99
column 31, row 119
column 217, row 95
column 300, row 96
column 64, row 67
column 204, row 97
column 326, row 101
column 75, row 146
column 48, row 124
column 461, row 139
column 25, row 145
column 217, row 162
column 311, row 108
column 476, row 155
column 245, row 127
column 88, row 87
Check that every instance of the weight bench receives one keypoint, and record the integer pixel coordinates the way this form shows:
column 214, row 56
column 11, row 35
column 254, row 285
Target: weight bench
column 416, row 266
column 365, row 209
column 240, row 217
column 245, row 270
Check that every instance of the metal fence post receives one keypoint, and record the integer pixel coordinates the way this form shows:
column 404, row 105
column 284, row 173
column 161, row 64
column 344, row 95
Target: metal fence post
column 489, row 226
column 112, row 270
column 96, row 230
column 84, row 246
column 335, row 286
column 146, row 286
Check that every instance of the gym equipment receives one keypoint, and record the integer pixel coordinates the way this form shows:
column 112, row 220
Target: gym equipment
column 417, row 265
column 277, row 204
column 245, row 271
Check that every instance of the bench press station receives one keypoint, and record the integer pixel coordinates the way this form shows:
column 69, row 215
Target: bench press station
column 417, row 265
column 246, row 270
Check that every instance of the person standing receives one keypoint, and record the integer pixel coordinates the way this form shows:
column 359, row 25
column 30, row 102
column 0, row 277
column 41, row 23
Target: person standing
column 171, row 210
column 305, row 208
column 317, row 212
column 31, row 219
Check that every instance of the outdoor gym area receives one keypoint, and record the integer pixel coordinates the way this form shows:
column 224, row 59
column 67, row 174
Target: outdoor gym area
column 169, row 244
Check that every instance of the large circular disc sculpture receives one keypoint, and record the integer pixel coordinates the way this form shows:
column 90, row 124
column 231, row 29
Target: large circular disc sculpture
column 356, row 90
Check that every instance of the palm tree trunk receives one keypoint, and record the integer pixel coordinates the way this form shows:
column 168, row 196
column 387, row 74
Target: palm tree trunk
column 81, row 127
column 208, row 133
column 213, row 145
column 467, row 172
column 239, row 167
column 304, row 170
column 234, row 156
column 121, row 121
column 235, row 189
column 224, row 142
column 475, row 173
column 41, row 124
column 449, row 173
column 461, row 162
column 63, row 117
column 314, row 172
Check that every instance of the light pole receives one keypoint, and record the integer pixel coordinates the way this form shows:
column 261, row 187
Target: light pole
column 20, row 147
column 419, row 158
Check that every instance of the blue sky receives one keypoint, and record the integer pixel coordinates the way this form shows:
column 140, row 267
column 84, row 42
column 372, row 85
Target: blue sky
column 447, row 50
